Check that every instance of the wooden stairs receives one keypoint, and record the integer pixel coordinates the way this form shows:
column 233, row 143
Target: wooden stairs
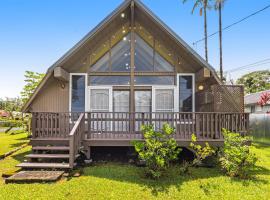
column 49, row 154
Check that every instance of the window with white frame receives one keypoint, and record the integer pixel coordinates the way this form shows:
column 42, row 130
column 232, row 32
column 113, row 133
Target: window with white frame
column 186, row 93
column 78, row 93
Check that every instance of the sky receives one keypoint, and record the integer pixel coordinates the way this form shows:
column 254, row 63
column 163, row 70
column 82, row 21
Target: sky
column 36, row 33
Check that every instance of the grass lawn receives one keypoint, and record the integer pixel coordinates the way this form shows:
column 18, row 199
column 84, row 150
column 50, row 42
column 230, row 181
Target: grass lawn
column 9, row 141
column 119, row 181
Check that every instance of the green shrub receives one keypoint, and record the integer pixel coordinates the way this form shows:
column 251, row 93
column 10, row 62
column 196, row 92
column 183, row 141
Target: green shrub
column 11, row 123
column 201, row 153
column 157, row 150
column 235, row 157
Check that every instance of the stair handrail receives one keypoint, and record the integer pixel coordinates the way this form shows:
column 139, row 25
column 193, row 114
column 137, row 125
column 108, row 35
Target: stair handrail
column 75, row 139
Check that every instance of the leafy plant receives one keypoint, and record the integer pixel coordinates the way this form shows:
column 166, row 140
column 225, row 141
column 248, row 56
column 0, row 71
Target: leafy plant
column 236, row 158
column 201, row 152
column 157, row 150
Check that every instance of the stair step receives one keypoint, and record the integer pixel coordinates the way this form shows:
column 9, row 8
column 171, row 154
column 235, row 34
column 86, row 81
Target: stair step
column 50, row 139
column 58, row 148
column 44, row 165
column 47, row 156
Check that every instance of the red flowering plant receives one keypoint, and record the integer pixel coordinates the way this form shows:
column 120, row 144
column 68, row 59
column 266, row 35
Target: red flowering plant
column 264, row 99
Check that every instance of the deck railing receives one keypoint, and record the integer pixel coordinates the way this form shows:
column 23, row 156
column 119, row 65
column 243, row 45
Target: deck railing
column 206, row 126
column 76, row 137
column 123, row 125
column 53, row 125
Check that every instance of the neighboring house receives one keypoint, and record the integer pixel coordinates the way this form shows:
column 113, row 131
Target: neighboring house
column 128, row 71
column 4, row 114
column 251, row 103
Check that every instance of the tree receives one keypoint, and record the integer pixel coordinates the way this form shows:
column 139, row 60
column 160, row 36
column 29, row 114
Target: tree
column 264, row 99
column 32, row 80
column 256, row 81
column 219, row 4
column 204, row 6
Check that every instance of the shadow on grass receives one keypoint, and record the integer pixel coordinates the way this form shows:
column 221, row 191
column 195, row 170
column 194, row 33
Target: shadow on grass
column 133, row 174
column 16, row 145
column 261, row 145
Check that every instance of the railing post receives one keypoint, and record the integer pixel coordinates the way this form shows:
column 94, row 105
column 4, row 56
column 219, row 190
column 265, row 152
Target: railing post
column 71, row 151
column 33, row 125
column 143, row 118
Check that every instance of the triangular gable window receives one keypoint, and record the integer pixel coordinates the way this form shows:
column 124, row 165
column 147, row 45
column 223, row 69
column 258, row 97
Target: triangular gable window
column 117, row 59
column 120, row 55
column 146, row 59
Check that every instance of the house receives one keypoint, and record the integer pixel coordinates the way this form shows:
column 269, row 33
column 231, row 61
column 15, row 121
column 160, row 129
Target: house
column 130, row 70
column 251, row 103
column 4, row 114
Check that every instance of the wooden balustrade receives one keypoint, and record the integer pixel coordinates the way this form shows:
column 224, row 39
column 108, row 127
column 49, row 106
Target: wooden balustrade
column 76, row 137
column 123, row 125
column 207, row 126
column 53, row 125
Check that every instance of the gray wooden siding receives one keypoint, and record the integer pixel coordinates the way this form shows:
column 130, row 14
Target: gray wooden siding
column 52, row 97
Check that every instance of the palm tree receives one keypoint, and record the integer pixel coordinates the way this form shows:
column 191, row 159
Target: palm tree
column 219, row 4
column 204, row 5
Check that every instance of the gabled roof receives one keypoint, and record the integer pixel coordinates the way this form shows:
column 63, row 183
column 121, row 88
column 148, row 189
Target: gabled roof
column 254, row 97
column 106, row 21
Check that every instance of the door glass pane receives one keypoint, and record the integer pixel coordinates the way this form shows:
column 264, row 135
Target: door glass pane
column 78, row 93
column 185, row 93
column 120, row 55
column 121, row 101
column 142, row 101
column 99, row 100
column 121, row 110
column 164, row 100
column 144, row 55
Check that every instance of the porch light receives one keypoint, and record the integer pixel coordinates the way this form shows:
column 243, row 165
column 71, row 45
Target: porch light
column 200, row 87
column 124, row 38
column 123, row 15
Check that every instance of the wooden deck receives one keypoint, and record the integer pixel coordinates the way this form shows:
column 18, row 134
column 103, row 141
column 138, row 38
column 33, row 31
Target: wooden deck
column 61, row 136
column 126, row 126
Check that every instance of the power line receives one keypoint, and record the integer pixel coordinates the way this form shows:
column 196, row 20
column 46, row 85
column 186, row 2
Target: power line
column 235, row 23
column 248, row 66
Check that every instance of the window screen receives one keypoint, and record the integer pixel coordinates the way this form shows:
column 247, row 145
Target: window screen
column 99, row 100
column 164, row 100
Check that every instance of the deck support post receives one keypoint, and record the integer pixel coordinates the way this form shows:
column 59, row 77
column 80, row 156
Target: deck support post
column 88, row 153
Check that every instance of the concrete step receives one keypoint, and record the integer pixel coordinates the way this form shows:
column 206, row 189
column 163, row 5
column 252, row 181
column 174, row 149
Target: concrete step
column 60, row 156
column 28, row 165
column 35, row 176
column 52, row 148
